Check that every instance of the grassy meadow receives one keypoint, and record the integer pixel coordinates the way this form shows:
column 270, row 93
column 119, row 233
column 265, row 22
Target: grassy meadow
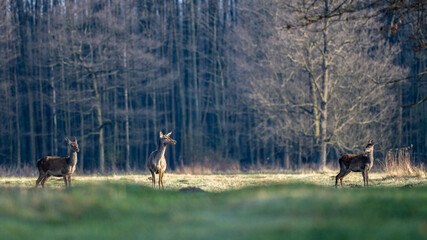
column 231, row 206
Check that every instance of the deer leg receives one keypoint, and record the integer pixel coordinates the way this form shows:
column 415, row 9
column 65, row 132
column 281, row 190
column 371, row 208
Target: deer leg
column 43, row 181
column 336, row 179
column 69, row 180
column 367, row 178
column 161, row 179
column 163, row 175
column 343, row 175
column 46, row 177
column 153, row 179
column 41, row 176
column 65, row 181
column 340, row 177
column 364, row 177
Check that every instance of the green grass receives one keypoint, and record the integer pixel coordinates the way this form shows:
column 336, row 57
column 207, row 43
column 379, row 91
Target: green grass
column 238, row 206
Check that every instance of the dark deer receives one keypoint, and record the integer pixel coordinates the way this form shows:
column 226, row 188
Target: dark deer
column 357, row 163
column 58, row 166
column 156, row 162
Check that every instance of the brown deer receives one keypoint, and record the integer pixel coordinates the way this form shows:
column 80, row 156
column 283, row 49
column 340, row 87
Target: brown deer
column 357, row 163
column 156, row 162
column 58, row 166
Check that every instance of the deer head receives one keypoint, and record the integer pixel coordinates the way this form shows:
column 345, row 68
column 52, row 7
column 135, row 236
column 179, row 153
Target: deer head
column 370, row 147
column 74, row 147
column 165, row 139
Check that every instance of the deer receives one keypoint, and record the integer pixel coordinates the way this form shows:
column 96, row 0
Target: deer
column 58, row 166
column 156, row 162
column 357, row 163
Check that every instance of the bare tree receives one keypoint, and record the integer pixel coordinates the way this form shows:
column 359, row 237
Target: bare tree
column 8, row 54
column 318, row 80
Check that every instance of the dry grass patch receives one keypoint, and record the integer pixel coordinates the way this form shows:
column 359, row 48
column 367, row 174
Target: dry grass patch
column 400, row 163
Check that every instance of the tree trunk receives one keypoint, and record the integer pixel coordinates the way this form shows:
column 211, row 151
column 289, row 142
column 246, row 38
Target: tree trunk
column 300, row 153
column 182, row 122
column 126, row 108
column 194, row 68
column 17, row 118
column 324, row 105
column 31, row 117
column 54, row 116
column 42, row 114
column 287, row 162
column 98, row 111
column 82, row 129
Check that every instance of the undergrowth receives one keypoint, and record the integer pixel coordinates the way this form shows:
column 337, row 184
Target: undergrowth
column 400, row 162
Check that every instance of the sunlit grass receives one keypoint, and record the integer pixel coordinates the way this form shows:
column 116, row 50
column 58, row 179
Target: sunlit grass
column 224, row 182
column 233, row 206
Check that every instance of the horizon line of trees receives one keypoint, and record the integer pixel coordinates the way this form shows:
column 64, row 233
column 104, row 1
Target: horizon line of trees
column 279, row 83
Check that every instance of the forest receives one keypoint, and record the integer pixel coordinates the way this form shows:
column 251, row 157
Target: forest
column 241, row 84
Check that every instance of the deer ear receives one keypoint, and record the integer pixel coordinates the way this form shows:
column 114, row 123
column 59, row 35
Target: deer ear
column 75, row 139
column 161, row 134
column 67, row 139
column 169, row 134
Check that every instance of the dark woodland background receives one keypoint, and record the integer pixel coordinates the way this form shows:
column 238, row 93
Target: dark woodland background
column 241, row 83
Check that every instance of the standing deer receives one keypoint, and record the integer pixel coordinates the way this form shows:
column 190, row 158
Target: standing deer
column 58, row 166
column 357, row 163
column 157, row 162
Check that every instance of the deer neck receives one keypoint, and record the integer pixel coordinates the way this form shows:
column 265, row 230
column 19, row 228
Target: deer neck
column 73, row 158
column 162, row 149
column 371, row 159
